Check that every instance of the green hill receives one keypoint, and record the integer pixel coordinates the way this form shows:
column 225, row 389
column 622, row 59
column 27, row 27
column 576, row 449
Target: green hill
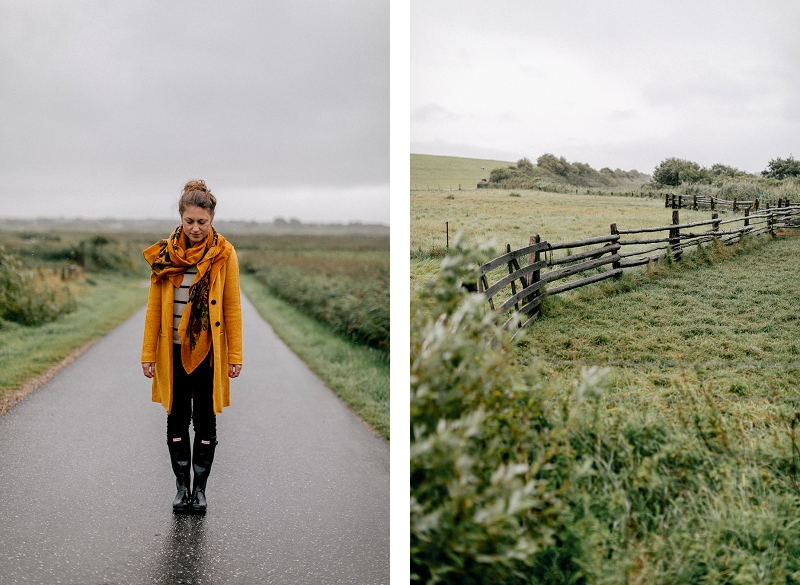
column 552, row 173
column 430, row 171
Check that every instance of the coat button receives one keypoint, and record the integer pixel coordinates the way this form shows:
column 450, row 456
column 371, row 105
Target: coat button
column 213, row 301
column 217, row 323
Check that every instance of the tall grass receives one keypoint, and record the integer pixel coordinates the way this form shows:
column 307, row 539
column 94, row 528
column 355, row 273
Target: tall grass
column 518, row 476
column 343, row 282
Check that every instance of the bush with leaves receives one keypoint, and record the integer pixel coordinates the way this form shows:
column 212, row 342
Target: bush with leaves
column 489, row 463
column 23, row 300
column 358, row 310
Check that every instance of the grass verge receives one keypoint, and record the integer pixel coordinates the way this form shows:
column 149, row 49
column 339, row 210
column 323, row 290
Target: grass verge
column 358, row 375
column 103, row 302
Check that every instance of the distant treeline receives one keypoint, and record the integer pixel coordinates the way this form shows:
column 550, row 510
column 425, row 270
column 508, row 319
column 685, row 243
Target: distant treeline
column 677, row 171
column 549, row 169
column 781, row 178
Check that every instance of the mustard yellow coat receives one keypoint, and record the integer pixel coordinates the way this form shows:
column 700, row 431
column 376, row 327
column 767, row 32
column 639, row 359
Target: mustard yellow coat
column 225, row 310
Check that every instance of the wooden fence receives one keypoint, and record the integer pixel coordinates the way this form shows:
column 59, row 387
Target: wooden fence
column 546, row 269
column 716, row 204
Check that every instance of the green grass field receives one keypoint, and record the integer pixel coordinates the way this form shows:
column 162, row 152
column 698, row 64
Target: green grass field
column 494, row 215
column 677, row 461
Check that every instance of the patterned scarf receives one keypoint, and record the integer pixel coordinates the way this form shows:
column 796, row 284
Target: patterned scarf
column 169, row 259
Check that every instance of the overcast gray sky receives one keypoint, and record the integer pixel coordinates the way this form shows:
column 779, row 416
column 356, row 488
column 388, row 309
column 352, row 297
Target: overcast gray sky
column 620, row 84
column 108, row 108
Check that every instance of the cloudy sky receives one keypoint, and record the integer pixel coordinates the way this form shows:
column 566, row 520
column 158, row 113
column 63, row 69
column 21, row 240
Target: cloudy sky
column 620, row 84
column 108, row 108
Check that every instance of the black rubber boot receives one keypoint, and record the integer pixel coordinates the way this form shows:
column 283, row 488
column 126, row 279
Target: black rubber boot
column 180, row 454
column 201, row 463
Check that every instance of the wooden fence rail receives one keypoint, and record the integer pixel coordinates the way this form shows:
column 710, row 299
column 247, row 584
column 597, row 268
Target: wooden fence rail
column 718, row 204
column 534, row 271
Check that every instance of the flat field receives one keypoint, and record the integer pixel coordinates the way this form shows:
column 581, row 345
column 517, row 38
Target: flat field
column 494, row 214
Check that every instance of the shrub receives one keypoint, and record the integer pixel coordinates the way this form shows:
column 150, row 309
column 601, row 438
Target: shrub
column 358, row 310
column 25, row 301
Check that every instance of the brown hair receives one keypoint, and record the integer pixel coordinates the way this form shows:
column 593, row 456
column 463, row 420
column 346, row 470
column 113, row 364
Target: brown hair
column 196, row 194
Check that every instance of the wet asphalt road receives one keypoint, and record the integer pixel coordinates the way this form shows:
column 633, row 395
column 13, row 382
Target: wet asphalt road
column 298, row 493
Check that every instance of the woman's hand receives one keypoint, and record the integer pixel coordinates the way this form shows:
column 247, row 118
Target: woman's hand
column 233, row 370
column 149, row 369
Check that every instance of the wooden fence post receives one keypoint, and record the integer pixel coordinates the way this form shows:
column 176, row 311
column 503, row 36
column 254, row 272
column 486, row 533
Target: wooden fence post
column 756, row 203
column 511, row 271
column 694, row 202
column 715, row 225
column 734, row 205
column 447, row 233
column 674, row 236
column 666, row 200
column 534, row 276
column 614, row 232
column 771, row 224
column 712, row 203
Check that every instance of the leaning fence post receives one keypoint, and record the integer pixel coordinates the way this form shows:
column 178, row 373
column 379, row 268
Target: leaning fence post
column 675, row 236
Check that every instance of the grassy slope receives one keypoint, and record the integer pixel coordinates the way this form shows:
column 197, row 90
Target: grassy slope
column 359, row 376
column 28, row 351
column 435, row 172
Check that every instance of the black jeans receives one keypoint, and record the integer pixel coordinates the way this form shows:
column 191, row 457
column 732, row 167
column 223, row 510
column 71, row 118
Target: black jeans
column 192, row 398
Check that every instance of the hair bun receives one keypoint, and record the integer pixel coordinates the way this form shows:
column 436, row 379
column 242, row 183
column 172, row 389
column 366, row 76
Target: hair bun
column 196, row 185
column 197, row 194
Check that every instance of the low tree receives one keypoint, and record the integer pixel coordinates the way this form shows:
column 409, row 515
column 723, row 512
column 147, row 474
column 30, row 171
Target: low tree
column 674, row 171
column 781, row 168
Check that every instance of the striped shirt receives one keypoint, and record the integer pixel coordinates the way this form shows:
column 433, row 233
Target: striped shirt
column 181, row 300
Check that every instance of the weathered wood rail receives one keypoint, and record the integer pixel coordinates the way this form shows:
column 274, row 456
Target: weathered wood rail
column 545, row 269
column 697, row 202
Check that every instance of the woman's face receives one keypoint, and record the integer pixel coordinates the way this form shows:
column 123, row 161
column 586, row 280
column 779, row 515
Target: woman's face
column 196, row 224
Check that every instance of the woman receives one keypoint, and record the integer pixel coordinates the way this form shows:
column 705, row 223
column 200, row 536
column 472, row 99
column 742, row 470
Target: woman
column 192, row 337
